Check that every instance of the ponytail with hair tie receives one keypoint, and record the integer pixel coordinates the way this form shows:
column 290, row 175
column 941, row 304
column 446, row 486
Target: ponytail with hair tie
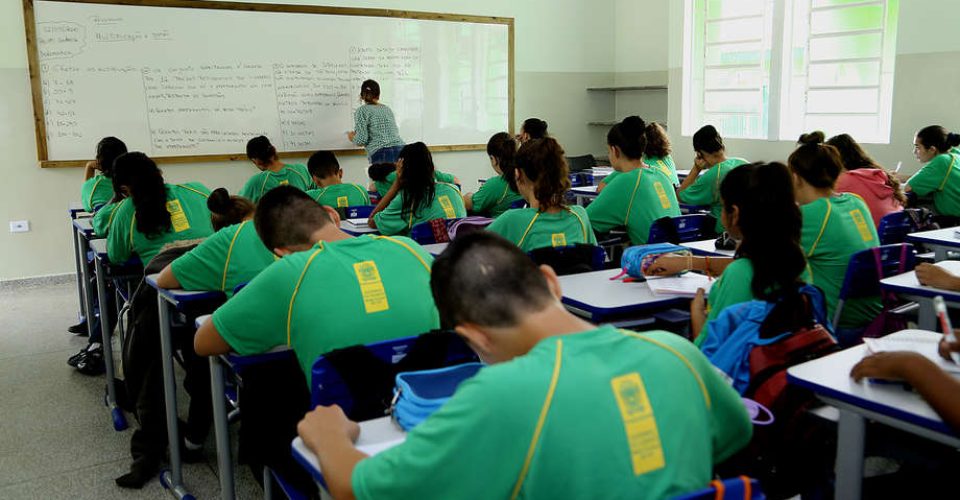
column 227, row 210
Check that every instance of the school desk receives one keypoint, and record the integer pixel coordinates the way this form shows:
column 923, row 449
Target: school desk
column 82, row 230
column 356, row 231
column 583, row 194
column 682, row 174
column 187, row 302
column 707, row 248
column 890, row 404
column 595, row 297
column 375, row 436
column 436, row 249
column 908, row 287
column 940, row 241
column 106, row 270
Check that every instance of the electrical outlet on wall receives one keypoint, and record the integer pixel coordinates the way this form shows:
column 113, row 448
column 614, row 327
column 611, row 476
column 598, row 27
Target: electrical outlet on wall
column 19, row 226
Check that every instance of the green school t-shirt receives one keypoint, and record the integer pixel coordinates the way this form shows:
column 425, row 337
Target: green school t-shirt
column 384, row 186
column 706, row 189
column 664, row 164
column 531, row 229
column 341, row 195
column 494, row 197
column 189, row 217
column 103, row 219
column 731, row 288
column 447, row 203
column 833, row 230
column 232, row 256
column 337, row 294
column 634, row 200
column 940, row 179
column 624, row 415
column 293, row 174
column 96, row 191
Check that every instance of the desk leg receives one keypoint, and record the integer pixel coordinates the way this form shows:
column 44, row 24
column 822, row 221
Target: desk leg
column 85, row 278
column 926, row 316
column 173, row 478
column 81, row 312
column 106, row 340
column 221, row 428
column 940, row 253
column 850, row 437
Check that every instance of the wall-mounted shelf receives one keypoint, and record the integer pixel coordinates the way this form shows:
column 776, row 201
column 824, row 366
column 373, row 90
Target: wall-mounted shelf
column 627, row 87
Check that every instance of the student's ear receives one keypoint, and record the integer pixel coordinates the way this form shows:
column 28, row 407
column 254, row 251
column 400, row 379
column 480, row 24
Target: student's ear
column 553, row 282
column 735, row 216
column 334, row 216
column 615, row 152
column 477, row 338
column 340, row 174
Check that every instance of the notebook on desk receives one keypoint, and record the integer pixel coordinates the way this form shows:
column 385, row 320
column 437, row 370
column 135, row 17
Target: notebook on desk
column 921, row 343
column 682, row 286
column 358, row 223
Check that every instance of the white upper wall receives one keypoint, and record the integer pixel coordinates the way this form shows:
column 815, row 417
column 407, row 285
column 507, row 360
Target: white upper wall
column 642, row 35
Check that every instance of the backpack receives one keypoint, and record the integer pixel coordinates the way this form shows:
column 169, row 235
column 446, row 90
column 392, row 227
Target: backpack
column 573, row 259
column 637, row 259
column 468, row 225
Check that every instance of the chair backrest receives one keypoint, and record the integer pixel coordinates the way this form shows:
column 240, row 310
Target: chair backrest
column 580, row 163
column 895, row 226
column 572, row 259
column 738, row 488
column 682, row 229
column 521, row 203
column 328, row 387
column 357, row 212
column 432, row 231
column 462, row 227
column 868, row 267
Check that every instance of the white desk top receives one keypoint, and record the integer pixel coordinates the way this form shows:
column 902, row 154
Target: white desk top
column 585, row 190
column 435, row 248
column 707, row 246
column 829, row 377
column 907, row 283
column 683, row 172
column 84, row 224
column 375, row 436
column 945, row 237
column 595, row 294
column 350, row 228
column 99, row 247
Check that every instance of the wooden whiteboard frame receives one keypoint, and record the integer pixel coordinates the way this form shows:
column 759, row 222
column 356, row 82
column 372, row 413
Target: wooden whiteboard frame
column 33, row 57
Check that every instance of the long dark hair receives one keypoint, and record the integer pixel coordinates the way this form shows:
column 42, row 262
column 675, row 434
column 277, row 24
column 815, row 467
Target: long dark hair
column 542, row 161
column 416, row 181
column 227, row 210
column 108, row 149
column 854, row 157
column 137, row 172
column 629, row 136
column 503, row 147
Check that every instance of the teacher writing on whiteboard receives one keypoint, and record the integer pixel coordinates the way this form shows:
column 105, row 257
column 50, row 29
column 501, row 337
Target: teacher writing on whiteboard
column 375, row 127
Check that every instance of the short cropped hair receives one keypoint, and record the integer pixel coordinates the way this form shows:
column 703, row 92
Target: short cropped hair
column 484, row 279
column 323, row 164
column 286, row 216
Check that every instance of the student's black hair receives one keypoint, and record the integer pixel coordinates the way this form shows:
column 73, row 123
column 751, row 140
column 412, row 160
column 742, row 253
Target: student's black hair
column 630, row 136
column 707, row 140
column 542, row 163
column 137, row 172
column 287, row 216
column 259, row 148
column 535, row 128
column 658, row 142
column 853, row 157
column 482, row 278
column 323, row 164
column 503, row 147
column 935, row 136
column 416, row 182
column 369, row 91
column 815, row 137
column 108, row 149
column 380, row 171
column 818, row 164
column 227, row 210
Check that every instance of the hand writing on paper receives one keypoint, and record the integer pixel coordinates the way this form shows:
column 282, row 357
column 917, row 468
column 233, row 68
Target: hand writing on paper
column 325, row 423
column 946, row 348
column 350, row 135
column 937, row 277
column 887, row 365
column 667, row 265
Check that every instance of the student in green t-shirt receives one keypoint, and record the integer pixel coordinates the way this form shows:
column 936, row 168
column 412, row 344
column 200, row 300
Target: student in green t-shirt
column 497, row 194
column 835, row 226
column 273, row 172
column 154, row 214
column 333, row 192
column 543, row 180
column 565, row 409
column 328, row 291
column 232, row 256
column 702, row 186
column 656, row 154
column 640, row 194
column 97, row 189
column 939, row 179
column 384, row 176
column 416, row 196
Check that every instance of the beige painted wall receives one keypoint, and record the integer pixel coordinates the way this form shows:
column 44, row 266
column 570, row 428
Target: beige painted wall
column 553, row 70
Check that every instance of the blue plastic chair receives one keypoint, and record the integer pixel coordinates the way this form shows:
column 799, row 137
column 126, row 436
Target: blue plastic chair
column 358, row 211
column 738, row 488
column 521, row 203
column 868, row 267
column 686, row 228
column 571, row 259
column 895, row 226
column 422, row 233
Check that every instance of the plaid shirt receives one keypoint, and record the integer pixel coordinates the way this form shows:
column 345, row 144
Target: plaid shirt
column 376, row 128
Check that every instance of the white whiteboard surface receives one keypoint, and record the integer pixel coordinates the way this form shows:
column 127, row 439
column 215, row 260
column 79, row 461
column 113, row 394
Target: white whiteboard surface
column 184, row 82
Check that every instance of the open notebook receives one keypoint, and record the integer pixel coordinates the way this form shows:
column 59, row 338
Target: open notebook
column 358, row 223
column 685, row 285
column 921, row 343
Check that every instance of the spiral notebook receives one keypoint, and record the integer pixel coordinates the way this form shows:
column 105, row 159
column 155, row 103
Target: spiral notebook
column 921, row 343
column 685, row 285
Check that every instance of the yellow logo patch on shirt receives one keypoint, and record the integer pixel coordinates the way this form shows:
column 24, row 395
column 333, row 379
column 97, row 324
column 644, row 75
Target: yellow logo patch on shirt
column 284, row 183
column 861, row 224
column 342, row 202
column 662, row 194
column 558, row 239
column 178, row 219
column 371, row 287
column 447, row 207
column 643, row 438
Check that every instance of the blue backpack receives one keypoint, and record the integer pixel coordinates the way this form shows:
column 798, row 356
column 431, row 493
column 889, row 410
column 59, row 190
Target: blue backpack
column 636, row 259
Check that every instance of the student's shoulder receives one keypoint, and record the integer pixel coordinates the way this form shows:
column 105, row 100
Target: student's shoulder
column 739, row 268
column 190, row 187
column 444, row 187
column 578, row 210
column 816, row 207
column 514, row 215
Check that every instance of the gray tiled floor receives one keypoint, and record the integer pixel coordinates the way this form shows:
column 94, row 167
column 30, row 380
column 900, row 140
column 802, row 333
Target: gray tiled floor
column 56, row 437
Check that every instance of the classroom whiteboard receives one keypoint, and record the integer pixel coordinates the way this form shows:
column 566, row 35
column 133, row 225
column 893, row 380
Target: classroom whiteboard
column 182, row 81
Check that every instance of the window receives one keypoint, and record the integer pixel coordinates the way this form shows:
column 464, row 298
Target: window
column 776, row 68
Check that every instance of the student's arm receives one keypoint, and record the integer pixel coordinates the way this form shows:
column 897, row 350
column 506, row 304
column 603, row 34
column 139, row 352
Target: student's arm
column 384, row 202
column 360, row 128
column 698, row 312
column 930, row 177
column 937, row 277
column 937, row 387
column 208, row 341
column 607, row 212
column 468, row 201
column 166, row 279
column 331, row 436
column 119, row 237
column 668, row 265
column 697, row 189
column 691, row 178
column 90, row 170
column 390, row 220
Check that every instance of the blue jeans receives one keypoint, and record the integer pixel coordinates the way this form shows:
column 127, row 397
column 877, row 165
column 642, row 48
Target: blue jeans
column 386, row 155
